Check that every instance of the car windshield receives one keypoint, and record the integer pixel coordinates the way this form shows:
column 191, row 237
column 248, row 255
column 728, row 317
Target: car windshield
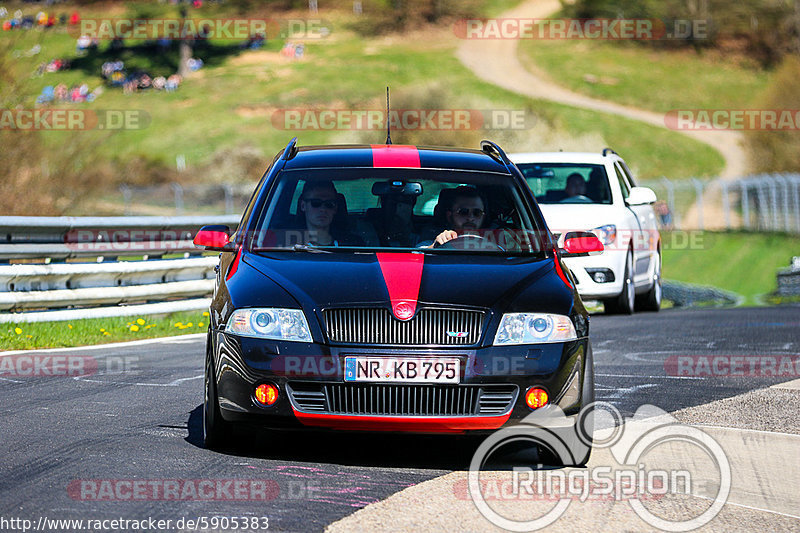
column 567, row 183
column 361, row 209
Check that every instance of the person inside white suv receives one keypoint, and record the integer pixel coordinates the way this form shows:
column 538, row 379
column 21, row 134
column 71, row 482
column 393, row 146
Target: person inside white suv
column 576, row 190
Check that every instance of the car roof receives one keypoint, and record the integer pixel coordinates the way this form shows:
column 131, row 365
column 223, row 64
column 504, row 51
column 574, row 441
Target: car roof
column 561, row 157
column 399, row 156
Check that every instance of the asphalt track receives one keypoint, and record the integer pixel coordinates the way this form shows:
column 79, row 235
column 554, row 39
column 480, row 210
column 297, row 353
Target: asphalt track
column 143, row 423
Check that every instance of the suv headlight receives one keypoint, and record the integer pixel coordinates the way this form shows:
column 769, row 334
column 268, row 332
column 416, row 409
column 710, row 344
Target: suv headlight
column 607, row 234
column 534, row 328
column 279, row 324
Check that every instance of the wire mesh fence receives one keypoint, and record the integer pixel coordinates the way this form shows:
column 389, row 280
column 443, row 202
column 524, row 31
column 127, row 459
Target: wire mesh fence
column 763, row 202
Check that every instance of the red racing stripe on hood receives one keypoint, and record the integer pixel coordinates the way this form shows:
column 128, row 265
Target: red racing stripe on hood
column 402, row 274
column 395, row 155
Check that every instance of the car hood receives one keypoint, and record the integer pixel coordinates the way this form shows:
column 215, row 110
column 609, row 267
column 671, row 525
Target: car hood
column 561, row 218
column 319, row 281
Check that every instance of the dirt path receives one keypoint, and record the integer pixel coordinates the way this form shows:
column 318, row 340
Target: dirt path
column 496, row 61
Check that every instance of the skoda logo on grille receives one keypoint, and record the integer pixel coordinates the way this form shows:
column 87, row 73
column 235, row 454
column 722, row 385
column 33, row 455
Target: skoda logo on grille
column 403, row 311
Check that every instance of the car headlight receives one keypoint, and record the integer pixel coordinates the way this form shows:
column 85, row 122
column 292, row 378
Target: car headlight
column 279, row 324
column 534, row 328
column 607, row 234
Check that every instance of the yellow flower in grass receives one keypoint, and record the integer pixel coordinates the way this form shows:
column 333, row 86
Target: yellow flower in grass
column 18, row 331
column 29, row 336
column 106, row 333
column 69, row 326
column 205, row 313
column 140, row 321
column 189, row 325
column 200, row 324
column 134, row 327
column 102, row 330
column 178, row 324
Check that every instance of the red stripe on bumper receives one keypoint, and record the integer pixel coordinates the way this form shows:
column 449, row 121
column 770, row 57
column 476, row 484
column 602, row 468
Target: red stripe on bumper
column 395, row 155
column 440, row 424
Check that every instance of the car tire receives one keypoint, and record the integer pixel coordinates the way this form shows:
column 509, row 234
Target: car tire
column 651, row 300
column 578, row 440
column 216, row 431
column 625, row 303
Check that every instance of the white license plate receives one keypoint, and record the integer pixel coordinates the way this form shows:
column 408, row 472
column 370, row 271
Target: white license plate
column 403, row 369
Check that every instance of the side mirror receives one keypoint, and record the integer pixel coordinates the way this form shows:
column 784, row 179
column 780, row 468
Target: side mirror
column 641, row 196
column 214, row 238
column 581, row 243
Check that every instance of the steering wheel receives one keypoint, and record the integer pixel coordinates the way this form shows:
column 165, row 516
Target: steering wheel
column 469, row 242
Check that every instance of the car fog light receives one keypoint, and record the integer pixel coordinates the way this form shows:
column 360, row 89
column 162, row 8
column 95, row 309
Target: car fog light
column 266, row 394
column 536, row 398
column 601, row 275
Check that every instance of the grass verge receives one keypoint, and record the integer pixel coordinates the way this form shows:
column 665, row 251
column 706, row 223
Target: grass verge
column 740, row 262
column 659, row 80
column 231, row 102
column 28, row 336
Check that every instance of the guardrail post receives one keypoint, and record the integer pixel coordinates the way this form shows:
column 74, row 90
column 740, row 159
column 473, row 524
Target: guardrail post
column 698, row 188
column 228, row 191
column 671, row 199
column 773, row 200
column 178, row 190
column 726, row 206
column 796, row 187
column 745, row 204
column 787, row 216
column 126, row 198
column 762, row 204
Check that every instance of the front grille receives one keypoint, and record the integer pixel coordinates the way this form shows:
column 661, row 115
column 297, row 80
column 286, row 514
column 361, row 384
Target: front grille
column 402, row 400
column 443, row 327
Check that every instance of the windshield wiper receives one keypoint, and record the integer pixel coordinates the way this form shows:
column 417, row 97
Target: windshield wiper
column 307, row 248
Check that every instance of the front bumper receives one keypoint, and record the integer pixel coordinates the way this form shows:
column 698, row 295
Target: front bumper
column 308, row 374
column 613, row 260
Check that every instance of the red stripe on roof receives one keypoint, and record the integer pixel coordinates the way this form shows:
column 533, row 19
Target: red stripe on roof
column 402, row 273
column 395, row 155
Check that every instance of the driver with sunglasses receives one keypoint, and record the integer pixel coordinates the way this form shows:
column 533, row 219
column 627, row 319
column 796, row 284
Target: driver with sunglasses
column 465, row 215
column 318, row 210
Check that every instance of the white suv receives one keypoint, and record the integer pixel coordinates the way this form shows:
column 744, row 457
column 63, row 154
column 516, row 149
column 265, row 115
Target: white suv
column 597, row 192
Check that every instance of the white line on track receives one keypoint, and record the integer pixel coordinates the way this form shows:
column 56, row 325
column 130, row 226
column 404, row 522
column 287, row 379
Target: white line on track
column 174, row 383
column 176, row 339
column 647, row 377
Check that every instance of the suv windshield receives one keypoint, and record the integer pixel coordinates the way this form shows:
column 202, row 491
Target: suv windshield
column 374, row 208
column 567, row 183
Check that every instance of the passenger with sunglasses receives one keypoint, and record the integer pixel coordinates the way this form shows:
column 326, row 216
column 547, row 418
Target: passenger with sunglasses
column 465, row 215
column 318, row 210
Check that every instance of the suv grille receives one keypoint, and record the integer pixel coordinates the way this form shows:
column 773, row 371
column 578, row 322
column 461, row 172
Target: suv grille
column 403, row 400
column 444, row 327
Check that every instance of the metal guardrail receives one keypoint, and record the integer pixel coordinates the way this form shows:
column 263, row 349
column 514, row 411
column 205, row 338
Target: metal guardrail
column 71, row 237
column 789, row 279
column 57, row 290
